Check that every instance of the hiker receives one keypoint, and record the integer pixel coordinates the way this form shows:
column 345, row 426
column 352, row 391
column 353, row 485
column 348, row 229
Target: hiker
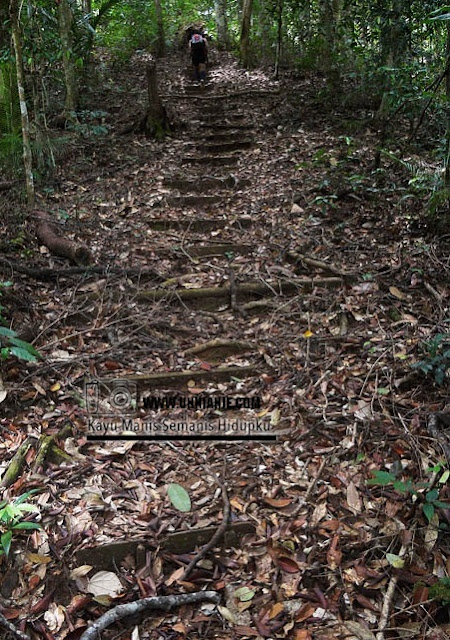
column 199, row 53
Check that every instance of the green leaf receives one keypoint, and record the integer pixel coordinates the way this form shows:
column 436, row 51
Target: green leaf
column 244, row 594
column 25, row 496
column 25, row 345
column 179, row 497
column 381, row 477
column 395, row 561
column 383, row 391
column 428, row 510
column 440, row 504
column 431, row 496
column 27, row 507
column 27, row 526
column 6, row 541
column 23, row 354
column 8, row 333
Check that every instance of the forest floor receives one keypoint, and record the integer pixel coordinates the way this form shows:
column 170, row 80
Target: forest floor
column 259, row 233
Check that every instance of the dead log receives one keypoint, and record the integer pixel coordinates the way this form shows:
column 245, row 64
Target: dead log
column 76, row 253
column 156, row 123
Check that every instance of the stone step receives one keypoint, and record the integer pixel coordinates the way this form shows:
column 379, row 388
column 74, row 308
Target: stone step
column 221, row 161
column 223, row 147
column 203, row 185
column 194, row 202
column 223, row 137
column 217, row 298
column 197, row 224
column 220, row 118
column 197, row 89
column 181, row 379
column 214, row 250
column 229, row 126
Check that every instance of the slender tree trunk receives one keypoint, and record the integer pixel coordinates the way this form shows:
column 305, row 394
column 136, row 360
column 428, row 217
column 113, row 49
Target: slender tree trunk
column 245, row 32
column 27, row 156
column 161, row 38
column 65, row 30
column 156, row 124
column 264, row 32
column 447, row 137
column 4, row 34
column 220, row 11
column 330, row 18
column 279, row 38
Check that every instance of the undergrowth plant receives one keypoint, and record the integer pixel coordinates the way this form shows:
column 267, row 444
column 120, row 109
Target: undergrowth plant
column 10, row 344
column 436, row 360
column 12, row 514
column 428, row 494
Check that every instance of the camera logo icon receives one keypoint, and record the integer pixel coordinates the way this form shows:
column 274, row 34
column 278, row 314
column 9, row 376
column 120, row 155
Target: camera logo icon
column 110, row 397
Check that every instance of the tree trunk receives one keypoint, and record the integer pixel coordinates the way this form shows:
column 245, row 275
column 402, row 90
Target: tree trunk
column 245, row 32
column 264, row 32
column 4, row 35
column 161, row 38
column 27, row 156
column 156, row 124
column 220, row 9
column 447, row 133
column 65, row 30
column 330, row 18
column 279, row 38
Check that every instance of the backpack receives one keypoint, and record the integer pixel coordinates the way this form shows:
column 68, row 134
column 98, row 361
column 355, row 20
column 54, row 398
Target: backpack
column 197, row 42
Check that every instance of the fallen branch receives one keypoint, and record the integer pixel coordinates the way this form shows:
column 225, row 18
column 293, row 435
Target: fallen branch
column 6, row 624
column 388, row 600
column 53, row 274
column 76, row 253
column 217, row 536
column 319, row 264
column 165, row 603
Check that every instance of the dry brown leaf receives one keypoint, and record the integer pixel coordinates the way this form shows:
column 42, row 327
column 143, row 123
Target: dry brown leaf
column 397, row 293
column 353, row 499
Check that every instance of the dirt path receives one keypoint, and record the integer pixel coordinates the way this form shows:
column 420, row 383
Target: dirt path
column 217, row 255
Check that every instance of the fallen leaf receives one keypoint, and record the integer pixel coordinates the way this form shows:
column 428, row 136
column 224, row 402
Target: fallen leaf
column 353, row 499
column 278, row 503
column 287, row 564
column 104, row 583
column 397, row 293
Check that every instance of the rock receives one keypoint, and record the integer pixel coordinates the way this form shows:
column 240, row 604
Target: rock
column 297, row 209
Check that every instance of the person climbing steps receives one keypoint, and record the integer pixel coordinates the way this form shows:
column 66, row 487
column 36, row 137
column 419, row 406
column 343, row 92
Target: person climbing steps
column 199, row 54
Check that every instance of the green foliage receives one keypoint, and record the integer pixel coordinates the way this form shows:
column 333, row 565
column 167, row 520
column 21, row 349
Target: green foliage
column 436, row 362
column 179, row 497
column 440, row 591
column 89, row 123
column 430, row 496
column 10, row 344
column 10, row 123
column 11, row 519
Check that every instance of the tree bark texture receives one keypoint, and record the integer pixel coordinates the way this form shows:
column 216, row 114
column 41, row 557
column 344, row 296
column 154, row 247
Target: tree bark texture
column 5, row 39
column 25, row 123
column 156, row 124
column 245, row 33
column 76, row 253
column 161, row 38
column 70, row 76
column 220, row 10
